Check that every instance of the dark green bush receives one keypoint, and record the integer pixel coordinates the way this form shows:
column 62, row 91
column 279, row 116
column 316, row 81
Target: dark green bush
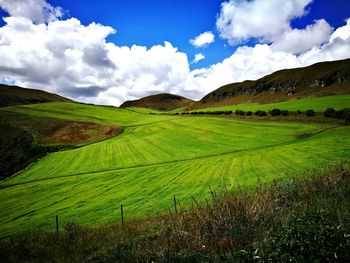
column 260, row 113
column 310, row 113
column 275, row 112
column 342, row 114
column 285, row 113
column 239, row 113
column 329, row 112
column 249, row 113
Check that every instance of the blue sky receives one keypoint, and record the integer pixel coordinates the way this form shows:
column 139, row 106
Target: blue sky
column 252, row 38
column 152, row 22
column 149, row 23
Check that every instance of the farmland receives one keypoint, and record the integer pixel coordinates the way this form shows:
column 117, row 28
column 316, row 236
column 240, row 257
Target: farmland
column 156, row 157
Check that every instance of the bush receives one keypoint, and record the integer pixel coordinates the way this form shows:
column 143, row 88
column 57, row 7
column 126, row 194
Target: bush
column 285, row 113
column 310, row 113
column 275, row 112
column 239, row 112
column 299, row 112
column 329, row 112
column 249, row 113
column 260, row 113
column 342, row 114
column 310, row 238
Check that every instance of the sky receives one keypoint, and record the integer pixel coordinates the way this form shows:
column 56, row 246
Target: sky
column 110, row 51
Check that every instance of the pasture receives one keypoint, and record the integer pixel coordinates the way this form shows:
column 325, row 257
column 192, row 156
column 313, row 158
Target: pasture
column 318, row 104
column 156, row 157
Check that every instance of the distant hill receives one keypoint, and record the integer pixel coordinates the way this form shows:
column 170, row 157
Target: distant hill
column 321, row 79
column 161, row 102
column 13, row 95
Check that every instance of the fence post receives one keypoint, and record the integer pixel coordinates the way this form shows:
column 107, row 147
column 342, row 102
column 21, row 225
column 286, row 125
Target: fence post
column 122, row 213
column 175, row 204
column 57, row 223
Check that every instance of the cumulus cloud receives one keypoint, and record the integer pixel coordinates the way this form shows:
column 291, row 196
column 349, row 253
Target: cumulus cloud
column 197, row 58
column 265, row 20
column 262, row 59
column 76, row 60
column 300, row 40
column 36, row 10
column 203, row 39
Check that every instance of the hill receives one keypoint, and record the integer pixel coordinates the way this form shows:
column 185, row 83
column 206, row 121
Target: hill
column 13, row 95
column 321, row 79
column 161, row 102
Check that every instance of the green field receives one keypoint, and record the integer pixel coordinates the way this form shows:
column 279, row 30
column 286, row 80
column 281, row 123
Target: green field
column 156, row 157
column 318, row 104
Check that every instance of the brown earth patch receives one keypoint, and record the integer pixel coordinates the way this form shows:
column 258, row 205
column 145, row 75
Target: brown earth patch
column 82, row 132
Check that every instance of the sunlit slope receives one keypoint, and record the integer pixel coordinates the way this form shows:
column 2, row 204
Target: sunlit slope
column 167, row 141
column 90, row 113
column 96, row 198
column 317, row 104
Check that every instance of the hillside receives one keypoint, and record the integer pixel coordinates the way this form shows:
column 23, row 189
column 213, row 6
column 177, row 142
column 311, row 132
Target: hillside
column 156, row 157
column 25, row 138
column 13, row 95
column 161, row 102
column 321, row 79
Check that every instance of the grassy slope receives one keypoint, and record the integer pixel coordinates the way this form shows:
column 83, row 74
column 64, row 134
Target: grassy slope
column 24, row 138
column 162, row 102
column 320, row 79
column 155, row 158
column 82, row 112
column 317, row 104
column 13, row 95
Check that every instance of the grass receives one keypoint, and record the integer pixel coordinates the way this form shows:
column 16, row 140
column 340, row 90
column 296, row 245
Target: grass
column 318, row 104
column 156, row 157
column 90, row 113
column 153, row 159
column 298, row 219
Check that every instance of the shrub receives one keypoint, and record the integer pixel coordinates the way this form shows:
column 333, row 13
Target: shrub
column 329, row 112
column 285, row 113
column 310, row 113
column 239, row 112
column 299, row 112
column 275, row 112
column 342, row 114
column 310, row 238
column 249, row 113
column 260, row 113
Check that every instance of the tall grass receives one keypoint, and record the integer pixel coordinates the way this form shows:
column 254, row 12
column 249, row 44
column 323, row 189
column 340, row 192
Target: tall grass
column 298, row 220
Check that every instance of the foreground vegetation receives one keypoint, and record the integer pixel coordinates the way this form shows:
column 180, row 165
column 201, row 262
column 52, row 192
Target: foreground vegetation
column 300, row 219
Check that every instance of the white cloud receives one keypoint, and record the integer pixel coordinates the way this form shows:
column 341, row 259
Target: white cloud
column 197, row 58
column 262, row 59
column 36, row 10
column 265, row 20
column 75, row 60
column 300, row 40
column 203, row 39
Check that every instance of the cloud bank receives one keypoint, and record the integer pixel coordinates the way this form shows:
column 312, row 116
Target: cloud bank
column 76, row 60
